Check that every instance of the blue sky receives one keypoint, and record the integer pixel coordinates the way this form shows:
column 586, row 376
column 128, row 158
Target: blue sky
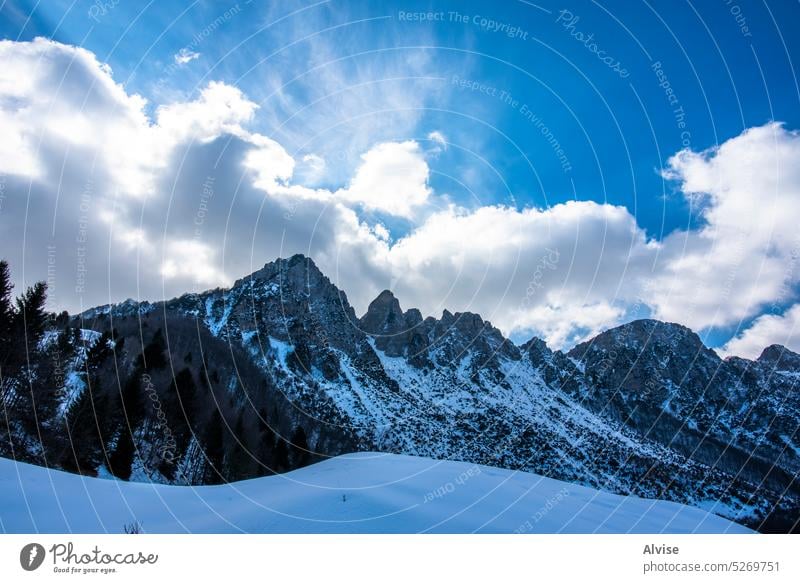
column 507, row 103
column 724, row 80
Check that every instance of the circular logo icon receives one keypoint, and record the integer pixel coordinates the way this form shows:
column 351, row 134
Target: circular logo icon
column 31, row 556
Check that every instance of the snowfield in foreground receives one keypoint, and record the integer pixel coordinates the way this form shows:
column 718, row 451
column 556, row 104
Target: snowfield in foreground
column 356, row 493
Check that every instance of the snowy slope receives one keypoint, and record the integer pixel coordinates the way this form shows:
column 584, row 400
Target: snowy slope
column 356, row 493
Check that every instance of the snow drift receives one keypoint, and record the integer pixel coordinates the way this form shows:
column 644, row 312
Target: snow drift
column 354, row 493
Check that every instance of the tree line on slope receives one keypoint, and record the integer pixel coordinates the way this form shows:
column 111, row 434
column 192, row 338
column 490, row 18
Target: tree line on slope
column 80, row 401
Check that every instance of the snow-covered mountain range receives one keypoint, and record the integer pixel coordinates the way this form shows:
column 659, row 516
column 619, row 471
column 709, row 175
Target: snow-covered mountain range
column 644, row 409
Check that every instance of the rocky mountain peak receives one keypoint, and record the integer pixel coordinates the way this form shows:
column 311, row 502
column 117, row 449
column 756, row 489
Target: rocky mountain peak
column 537, row 350
column 457, row 336
column 447, row 317
column 644, row 364
column 384, row 315
column 645, row 336
column 413, row 317
column 395, row 332
column 295, row 282
column 297, row 269
column 780, row 358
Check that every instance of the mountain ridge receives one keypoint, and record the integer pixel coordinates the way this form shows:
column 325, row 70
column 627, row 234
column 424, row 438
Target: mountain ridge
column 643, row 409
column 414, row 313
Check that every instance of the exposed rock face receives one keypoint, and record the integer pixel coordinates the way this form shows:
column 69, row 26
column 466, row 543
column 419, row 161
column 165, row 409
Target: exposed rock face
column 642, row 409
column 395, row 332
column 780, row 358
column 736, row 415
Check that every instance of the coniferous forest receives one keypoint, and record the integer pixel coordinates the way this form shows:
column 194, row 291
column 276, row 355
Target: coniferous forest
column 109, row 399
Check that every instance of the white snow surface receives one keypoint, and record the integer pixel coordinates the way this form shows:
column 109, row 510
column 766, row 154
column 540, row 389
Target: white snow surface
column 354, row 493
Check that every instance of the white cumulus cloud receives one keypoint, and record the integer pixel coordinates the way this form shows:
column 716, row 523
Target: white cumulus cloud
column 191, row 197
column 783, row 329
column 727, row 270
column 392, row 178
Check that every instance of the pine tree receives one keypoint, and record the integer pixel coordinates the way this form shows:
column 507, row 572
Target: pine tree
column 46, row 389
column 119, row 344
column 6, row 312
column 178, row 405
column 280, row 455
column 98, row 352
column 186, row 390
column 212, row 441
column 266, row 449
column 152, row 357
column 64, row 343
column 76, row 336
column 133, row 400
column 266, row 446
column 30, row 320
column 36, row 398
column 85, row 450
column 62, row 319
column 301, row 456
column 121, row 459
column 129, row 418
column 244, row 450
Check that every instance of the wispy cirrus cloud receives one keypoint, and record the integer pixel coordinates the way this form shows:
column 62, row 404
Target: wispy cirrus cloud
column 185, row 56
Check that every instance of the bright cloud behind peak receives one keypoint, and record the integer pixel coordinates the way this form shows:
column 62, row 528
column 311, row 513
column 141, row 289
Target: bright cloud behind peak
column 199, row 197
column 392, row 177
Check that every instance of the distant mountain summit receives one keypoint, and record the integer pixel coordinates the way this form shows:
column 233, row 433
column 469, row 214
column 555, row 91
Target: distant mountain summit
column 644, row 408
column 780, row 358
